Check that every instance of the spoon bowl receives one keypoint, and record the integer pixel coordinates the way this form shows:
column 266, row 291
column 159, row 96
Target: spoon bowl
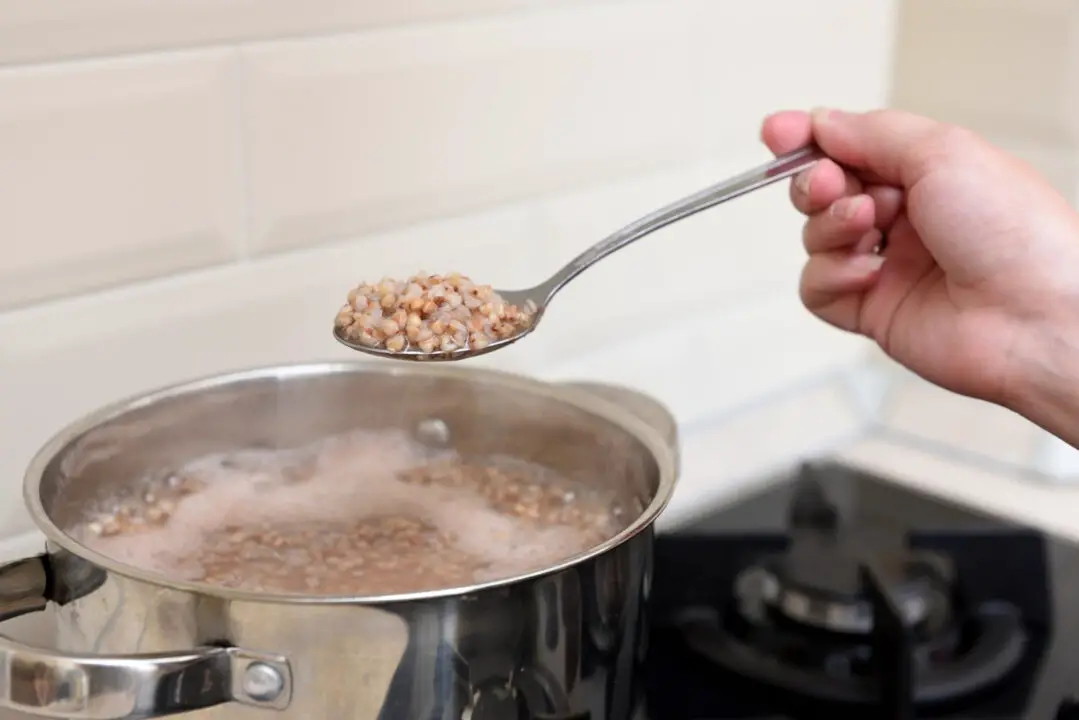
column 415, row 354
column 536, row 299
column 521, row 298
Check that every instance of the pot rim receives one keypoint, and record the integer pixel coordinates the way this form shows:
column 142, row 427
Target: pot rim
column 609, row 411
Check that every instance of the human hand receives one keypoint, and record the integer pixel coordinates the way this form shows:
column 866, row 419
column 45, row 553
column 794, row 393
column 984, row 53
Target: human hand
column 977, row 287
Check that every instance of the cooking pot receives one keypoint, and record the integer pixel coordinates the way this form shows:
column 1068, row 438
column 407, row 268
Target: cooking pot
column 565, row 641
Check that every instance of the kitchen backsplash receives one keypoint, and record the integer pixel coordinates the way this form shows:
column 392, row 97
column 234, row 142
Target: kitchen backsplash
column 1004, row 68
column 192, row 187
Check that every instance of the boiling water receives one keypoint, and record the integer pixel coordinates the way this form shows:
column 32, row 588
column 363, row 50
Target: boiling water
column 363, row 513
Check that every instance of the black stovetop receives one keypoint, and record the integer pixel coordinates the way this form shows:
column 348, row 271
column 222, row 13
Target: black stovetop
column 837, row 594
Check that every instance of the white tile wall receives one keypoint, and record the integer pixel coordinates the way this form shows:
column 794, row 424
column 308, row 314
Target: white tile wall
column 111, row 171
column 135, row 166
column 192, row 190
column 703, row 359
column 363, row 132
column 1005, row 69
column 1015, row 72
column 775, row 54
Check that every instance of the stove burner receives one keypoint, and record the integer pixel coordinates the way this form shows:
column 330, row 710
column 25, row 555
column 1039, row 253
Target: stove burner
column 957, row 662
column 818, row 580
column 852, row 616
column 826, row 591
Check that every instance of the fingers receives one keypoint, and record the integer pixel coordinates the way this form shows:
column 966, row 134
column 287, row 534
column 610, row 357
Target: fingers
column 848, row 220
column 885, row 147
column 833, row 284
column 842, row 265
column 853, row 197
column 887, row 204
column 821, row 185
column 843, row 224
column 869, row 243
column 811, row 193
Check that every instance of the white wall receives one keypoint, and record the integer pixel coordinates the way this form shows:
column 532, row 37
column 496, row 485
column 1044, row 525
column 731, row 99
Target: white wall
column 193, row 187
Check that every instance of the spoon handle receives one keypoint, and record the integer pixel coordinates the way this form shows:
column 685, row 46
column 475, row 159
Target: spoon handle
column 782, row 167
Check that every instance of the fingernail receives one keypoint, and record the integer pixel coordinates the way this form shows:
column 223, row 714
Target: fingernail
column 803, row 181
column 868, row 263
column 846, row 208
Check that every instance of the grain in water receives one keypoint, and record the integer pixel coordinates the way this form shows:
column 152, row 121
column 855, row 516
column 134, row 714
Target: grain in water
column 429, row 313
column 367, row 513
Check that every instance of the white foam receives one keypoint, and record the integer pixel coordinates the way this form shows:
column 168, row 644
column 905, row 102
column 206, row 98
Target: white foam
column 338, row 479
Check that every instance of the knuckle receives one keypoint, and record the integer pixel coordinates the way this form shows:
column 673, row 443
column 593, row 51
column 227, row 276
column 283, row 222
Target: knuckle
column 943, row 142
column 945, row 138
column 853, row 183
column 948, row 134
column 929, row 142
column 891, row 117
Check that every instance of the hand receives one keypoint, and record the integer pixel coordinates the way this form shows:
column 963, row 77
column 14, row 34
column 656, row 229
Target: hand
column 977, row 287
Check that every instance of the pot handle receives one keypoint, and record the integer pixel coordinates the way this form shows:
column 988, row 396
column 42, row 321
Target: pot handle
column 52, row 684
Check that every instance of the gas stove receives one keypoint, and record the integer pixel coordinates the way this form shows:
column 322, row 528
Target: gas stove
column 835, row 593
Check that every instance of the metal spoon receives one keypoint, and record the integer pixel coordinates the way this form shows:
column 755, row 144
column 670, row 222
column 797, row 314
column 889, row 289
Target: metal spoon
column 540, row 296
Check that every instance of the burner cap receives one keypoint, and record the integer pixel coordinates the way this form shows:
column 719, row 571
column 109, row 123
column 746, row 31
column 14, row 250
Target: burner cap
column 820, row 585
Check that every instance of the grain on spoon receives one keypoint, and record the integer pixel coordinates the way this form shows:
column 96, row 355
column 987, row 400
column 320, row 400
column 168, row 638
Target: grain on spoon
column 429, row 313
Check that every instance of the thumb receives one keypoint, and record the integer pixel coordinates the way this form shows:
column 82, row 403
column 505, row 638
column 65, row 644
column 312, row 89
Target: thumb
column 890, row 144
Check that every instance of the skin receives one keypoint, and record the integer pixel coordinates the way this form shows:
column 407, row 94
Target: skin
column 977, row 289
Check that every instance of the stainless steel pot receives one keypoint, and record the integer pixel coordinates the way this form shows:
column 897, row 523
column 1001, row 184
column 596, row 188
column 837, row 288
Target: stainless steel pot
column 560, row 643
